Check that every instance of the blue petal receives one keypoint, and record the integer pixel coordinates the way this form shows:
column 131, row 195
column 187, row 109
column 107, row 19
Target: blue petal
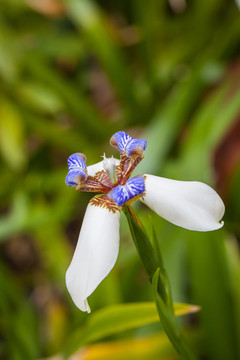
column 135, row 145
column 119, row 194
column 77, row 161
column 74, row 178
column 126, row 144
column 119, row 140
column 77, row 173
column 135, row 186
column 123, row 193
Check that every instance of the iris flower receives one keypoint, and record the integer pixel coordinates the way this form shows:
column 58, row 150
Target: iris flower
column 189, row 204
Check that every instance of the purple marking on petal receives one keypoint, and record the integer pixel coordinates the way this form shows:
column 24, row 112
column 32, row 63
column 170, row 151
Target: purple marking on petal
column 75, row 178
column 77, row 160
column 119, row 194
column 135, row 186
column 135, row 145
column 126, row 144
column 123, row 193
column 119, row 140
column 77, row 173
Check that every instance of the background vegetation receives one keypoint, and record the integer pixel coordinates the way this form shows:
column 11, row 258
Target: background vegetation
column 72, row 73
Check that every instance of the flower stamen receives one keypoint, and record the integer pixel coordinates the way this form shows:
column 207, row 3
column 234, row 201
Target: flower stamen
column 109, row 164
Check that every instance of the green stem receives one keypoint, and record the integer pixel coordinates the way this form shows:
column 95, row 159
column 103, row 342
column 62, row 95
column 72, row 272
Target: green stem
column 153, row 265
column 142, row 242
column 169, row 323
column 150, row 259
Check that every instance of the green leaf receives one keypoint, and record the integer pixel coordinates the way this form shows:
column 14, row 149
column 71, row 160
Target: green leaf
column 39, row 97
column 18, row 319
column 12, row 135
column 117, row 318
column 71, row 96
column 141, row 348
column 211, row 286
column 207, row 129
column 88, row 17
column 168, row 120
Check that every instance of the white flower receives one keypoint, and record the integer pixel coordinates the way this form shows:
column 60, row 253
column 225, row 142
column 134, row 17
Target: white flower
column 188, row 204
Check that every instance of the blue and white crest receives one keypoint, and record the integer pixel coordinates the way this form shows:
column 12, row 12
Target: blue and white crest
column 77, row 160
column 123, row 193
column 126, row 144
column 119, row 194
column 77, row 173
column 135, row 186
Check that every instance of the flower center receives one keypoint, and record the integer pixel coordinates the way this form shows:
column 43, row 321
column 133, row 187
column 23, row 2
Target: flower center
column 109, row 164
column 112, row 179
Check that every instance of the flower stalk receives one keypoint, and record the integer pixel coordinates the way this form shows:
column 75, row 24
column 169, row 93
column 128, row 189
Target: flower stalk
column 153, row 264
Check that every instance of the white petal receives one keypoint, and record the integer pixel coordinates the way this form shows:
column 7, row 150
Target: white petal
column 93, row 169
column 190, row 204
column 95, row 254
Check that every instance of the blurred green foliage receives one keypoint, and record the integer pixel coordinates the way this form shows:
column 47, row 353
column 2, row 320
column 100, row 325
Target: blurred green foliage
column 71, row 74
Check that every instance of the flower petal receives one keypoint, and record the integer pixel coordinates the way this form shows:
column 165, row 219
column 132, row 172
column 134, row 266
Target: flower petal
column 74, row 178
column 128, row 145
column 93, row 169
column 77, row 173
column 132, row 190
column 77, row 161
column 190, row 204
column 95, row 254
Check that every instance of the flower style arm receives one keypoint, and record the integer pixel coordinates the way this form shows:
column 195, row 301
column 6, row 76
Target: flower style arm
column 127, row 145
column 92, row 170
column 77, row 170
